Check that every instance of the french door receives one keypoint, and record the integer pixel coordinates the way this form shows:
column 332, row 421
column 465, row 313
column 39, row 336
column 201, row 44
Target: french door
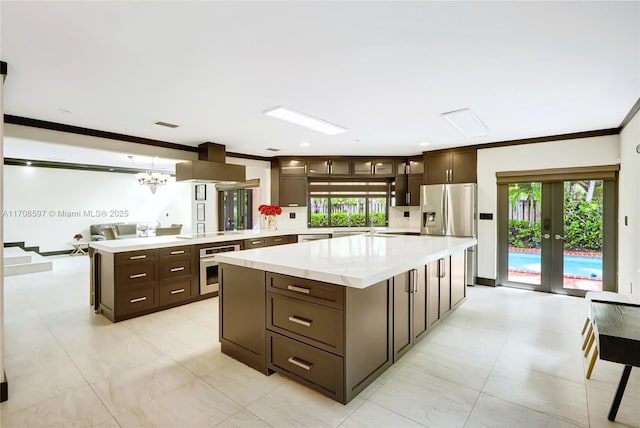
column 557, row 236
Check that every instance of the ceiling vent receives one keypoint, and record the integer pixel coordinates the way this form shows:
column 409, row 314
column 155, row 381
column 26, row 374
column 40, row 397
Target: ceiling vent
column 273, row 149
column 210, row 167
column 467, row 122
column 166, row 124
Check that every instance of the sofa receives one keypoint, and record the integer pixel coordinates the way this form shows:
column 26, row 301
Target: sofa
column 121, row 228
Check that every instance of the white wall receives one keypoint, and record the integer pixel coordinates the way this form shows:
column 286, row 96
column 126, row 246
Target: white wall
column 555, row 154
column 54, row 191
column 629, row 207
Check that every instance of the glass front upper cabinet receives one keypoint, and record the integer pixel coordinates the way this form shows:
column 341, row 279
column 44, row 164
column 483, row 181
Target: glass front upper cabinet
column 378, row 167
column 328, row 167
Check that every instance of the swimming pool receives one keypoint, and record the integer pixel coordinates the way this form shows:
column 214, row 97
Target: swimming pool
column 580, row 266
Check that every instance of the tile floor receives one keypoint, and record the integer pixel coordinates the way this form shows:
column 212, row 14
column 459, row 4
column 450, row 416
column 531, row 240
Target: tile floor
column 506, row 358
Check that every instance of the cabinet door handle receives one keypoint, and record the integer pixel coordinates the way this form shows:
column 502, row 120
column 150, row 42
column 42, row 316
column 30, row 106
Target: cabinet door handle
column 144, row 256
column 138, row 275
column 415, row 281
column 178, row 269
column 181, row 290
column 300, row 363
column 298, row 289
column 407, row 198
column 173, row 253
column 139, row 299
column 300, row 321
column 256, row 242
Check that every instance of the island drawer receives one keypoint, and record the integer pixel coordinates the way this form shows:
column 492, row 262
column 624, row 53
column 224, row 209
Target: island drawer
column 136, row 273
column 174, row 252
column 135, row 256
column 319, row 369
column 174, row 268
column 175, row 291
column 248, row 244
column 278, row 240
column 319, row 325
column 312, row 291
column 136, row 299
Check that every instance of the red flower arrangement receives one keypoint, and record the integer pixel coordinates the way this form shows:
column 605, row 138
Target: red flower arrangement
column 77, row 236
column 270, row 210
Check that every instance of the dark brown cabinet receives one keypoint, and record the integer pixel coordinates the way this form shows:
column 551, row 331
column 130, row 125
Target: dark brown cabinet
column 242, row 314
column 409, row 178
column 135, row 283
column 293, row 167
column 410, row 310
column 293, row 192
column 451, row 166
column 458, row 280
column 374, row 167
column 325, row 167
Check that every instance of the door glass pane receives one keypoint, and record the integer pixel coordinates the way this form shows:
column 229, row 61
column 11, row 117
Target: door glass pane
column 347, row 212
column 582, row 235
column 319, row 212
column 525, row 205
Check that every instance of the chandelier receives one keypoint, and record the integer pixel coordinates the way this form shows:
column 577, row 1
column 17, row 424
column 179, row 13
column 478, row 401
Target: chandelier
column 152, row 179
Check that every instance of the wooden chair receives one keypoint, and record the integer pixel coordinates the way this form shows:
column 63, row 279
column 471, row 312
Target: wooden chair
column 590, row 337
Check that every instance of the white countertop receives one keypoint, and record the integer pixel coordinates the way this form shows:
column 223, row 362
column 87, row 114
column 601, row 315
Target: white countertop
column 354, row 261
column 136, row 244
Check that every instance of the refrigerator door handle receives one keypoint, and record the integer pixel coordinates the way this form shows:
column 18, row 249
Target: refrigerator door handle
column 445, row 211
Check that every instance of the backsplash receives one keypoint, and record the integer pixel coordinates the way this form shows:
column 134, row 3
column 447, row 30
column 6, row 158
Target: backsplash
column 397, row 218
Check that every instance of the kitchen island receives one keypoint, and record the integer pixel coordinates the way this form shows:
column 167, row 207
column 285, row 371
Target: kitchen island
column 335, row 314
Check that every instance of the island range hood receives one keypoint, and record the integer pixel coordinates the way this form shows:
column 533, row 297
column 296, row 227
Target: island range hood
column 210, row 167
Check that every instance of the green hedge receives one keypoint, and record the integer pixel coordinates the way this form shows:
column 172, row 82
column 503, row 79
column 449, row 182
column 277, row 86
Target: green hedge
column 582, row 228
column 342, row 219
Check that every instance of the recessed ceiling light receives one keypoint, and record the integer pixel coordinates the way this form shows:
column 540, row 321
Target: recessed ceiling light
column 304, row 144
column 467, row 121
column 166, row 124
column 303, row 119
column 425, row 143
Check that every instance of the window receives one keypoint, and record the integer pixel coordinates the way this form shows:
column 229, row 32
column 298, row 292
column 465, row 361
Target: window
column 347, row 203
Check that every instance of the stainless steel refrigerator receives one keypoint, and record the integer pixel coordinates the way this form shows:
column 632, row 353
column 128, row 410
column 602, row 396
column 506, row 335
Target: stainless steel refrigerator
column 451, row 210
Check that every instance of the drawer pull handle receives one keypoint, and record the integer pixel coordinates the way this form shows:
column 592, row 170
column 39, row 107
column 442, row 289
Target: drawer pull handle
column 138, row 275
column 144, row 256
column 178, row 269
column 173, row 253
column 277, row 240
column 300, row 363
column 181, row 290
column 298, row 289
column 300, row 321
column 139, row 299
column 256, row 242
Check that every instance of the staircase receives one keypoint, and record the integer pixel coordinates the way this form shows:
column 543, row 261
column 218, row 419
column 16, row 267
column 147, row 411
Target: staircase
column 17, row 261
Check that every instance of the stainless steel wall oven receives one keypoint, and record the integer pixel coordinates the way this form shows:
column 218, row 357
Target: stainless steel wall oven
column 209, row 282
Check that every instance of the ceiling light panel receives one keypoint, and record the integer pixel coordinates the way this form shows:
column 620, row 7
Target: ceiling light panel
column 467, row 122
column 305, row 120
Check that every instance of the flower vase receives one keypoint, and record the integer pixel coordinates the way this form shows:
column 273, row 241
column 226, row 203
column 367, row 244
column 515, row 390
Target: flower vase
column 270, row 222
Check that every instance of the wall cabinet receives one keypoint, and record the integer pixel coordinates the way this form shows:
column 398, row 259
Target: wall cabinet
column 374, row 167
column 409, row 178
column 289, row 182
column 295, row 167
column 325, row 167
column 292, row 192
column 451, row 166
